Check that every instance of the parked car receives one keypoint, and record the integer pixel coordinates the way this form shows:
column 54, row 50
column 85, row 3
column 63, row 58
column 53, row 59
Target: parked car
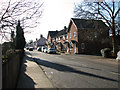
column 31, row 48
column 39, row 49
column 46, row 50
column 118, row 56
column 27, row 48
column 42, row 49
column 51, row 50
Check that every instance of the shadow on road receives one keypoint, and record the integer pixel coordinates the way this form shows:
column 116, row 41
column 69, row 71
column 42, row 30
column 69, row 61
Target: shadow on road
column 25, row 81
column 64, row 68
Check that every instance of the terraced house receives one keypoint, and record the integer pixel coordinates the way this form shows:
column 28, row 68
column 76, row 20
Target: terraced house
column 82, row 36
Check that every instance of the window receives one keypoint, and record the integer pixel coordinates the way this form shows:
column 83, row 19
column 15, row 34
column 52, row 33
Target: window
column 66, row 36
column 63, row 38
column 74, row 34
column 95, row 35
column 82, row 46
column 70, row 45
column 59, row 38
column 70, row 35
column 59, row 45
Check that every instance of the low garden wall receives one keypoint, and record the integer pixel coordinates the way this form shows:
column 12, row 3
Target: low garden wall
column 11, row 68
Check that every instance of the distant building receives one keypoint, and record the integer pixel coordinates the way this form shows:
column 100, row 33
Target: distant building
column 40, row 42
column 51, row 38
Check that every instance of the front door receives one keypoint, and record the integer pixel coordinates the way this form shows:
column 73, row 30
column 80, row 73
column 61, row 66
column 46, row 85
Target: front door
column 74, row 48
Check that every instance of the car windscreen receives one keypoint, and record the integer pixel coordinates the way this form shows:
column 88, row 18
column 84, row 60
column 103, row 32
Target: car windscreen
column 52, row 49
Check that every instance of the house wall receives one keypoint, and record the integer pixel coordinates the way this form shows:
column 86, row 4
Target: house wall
column 62, row 43
column 49, row 41
column 93, row 40
column 41, row 41
column 73, row 29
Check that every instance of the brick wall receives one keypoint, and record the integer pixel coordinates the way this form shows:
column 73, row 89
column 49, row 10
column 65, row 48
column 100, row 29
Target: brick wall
column 94, row 41
column 73, row 29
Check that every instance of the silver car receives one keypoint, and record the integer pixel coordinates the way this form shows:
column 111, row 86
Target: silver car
column 118, row 56
column 51, row 50
column 46, row 50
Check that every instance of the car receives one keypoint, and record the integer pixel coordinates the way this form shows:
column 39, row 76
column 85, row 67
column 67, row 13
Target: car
column 42, row 49
column 46, row 50
column 31, row 48
column 27, row 48
column 39, row 49
column 51, row 50
column 118, row 56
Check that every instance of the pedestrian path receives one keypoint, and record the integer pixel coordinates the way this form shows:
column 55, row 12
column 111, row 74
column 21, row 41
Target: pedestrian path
column 32, row 76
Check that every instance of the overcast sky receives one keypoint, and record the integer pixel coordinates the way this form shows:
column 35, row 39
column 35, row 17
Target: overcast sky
column 56, row 15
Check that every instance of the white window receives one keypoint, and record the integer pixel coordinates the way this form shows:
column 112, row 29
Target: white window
column 63, row 37
column 74, row 34
column 67, row 37
column 70, row 35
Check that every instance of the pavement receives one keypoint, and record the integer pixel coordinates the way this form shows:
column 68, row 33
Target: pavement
column 32, row 75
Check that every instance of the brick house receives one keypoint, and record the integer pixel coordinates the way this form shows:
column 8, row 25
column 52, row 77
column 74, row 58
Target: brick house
column 55, row 39
column 82, row 36
column 87, row 36
column 51, row 40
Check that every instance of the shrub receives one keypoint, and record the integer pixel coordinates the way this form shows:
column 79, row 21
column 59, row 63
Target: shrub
column 106, row 52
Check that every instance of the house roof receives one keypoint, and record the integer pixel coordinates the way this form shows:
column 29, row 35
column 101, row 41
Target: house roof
column 41, row 41
column 61, row 32
column 56, row 33
column 52, row 33
column 87, row 24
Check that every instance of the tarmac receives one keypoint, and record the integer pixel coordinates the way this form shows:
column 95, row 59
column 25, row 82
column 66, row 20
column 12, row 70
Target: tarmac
column 32, row 75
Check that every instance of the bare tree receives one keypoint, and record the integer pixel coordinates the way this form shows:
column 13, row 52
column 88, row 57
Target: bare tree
column 106, row 11
column 27, row 11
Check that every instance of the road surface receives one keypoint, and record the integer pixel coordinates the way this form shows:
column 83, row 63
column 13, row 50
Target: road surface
column 78, row 71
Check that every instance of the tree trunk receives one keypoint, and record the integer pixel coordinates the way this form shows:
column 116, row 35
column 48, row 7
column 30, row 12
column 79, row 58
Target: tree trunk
column 114, row 39
column 115, row 47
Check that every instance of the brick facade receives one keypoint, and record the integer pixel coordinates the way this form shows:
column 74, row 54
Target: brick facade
column 81, row 36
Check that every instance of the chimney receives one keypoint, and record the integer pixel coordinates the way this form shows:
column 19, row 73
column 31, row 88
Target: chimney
column 65, row 27
column 41, row 36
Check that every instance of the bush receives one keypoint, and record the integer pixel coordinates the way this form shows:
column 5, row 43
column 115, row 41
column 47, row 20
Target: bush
column 106, row 52
column 60, row 51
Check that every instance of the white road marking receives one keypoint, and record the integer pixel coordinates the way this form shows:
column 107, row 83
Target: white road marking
column 115, row 73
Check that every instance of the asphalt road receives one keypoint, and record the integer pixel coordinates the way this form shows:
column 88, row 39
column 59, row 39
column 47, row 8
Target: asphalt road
column 78, row 71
